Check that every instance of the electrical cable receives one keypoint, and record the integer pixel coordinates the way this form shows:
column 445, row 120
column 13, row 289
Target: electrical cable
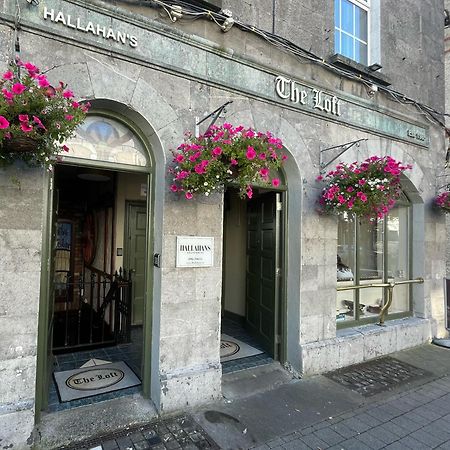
column 195, row 11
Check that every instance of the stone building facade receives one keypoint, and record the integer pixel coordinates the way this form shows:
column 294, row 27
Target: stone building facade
column 149, row 71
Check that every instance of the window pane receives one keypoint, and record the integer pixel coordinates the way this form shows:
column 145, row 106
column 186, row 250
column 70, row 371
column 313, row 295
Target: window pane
column 347, row 46
column 361, row 24
column 361, row 52
column 103, row 139
column 345, row 270
column 398, row 256
column 337, row 18
column 347, row 16
column 337, row 42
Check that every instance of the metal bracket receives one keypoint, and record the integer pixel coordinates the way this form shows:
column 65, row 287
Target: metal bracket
column 216, row 113
column 345, row 147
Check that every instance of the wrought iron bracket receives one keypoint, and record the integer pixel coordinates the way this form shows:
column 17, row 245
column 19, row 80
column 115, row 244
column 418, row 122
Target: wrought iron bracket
column 343, row 147
column 215, row 115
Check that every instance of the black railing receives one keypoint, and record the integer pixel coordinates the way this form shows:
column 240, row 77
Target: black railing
column 93, row 311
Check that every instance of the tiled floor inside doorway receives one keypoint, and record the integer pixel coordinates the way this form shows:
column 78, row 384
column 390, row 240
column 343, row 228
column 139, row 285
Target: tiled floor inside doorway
column 130, row 353
column 236, row 330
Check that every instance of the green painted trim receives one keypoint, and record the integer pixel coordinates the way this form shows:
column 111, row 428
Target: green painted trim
column 41, row 401
column 147, row 326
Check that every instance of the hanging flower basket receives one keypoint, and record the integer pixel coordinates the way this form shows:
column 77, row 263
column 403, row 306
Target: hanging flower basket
column 367, row 190
column 20, row 144
column 35, row 117
column 226, row 154
column 442, row 201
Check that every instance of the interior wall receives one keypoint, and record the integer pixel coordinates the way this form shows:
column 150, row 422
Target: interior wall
column 130, row 186
column 234, row 254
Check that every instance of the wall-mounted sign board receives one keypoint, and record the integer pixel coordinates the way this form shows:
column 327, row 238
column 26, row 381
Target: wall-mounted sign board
column 195, row 251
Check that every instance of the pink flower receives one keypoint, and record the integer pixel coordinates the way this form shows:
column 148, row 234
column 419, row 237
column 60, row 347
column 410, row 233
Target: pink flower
column 319, row 178
column 249, row 192
column 182, row 175
column 234, row 162
column 276, row 182
column 264, row 172
column 3, row 123
column 7, row 95
column 68, row 94
column 249, row 133
column 85, row 107
column 341, row 199
column 18, row 88
column 284, row 158
column 262, row 156
column 251, row 154
column 43, row 82
column 8, row 75
column 350, row 189
column 38, row 122
column 26, row 127
column 31, row 68
column 65, row 148
column 217, row 151
column 174, row 188
column 204, row 162
column 68, row 117
column 179, row 158
column 199, row 169
column 23, row 118
column 75, row 105
column 188, row 195
column 362, row 182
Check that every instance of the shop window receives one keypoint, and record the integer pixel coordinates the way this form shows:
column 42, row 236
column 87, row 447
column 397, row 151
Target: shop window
column 351, row 37
column 370, row 253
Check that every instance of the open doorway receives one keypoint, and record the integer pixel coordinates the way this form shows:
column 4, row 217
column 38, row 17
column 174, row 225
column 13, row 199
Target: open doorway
column 98, row 279
column 252, row 266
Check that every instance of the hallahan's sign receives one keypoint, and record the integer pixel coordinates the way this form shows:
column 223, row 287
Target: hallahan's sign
column 195, row 251
column 87, row 26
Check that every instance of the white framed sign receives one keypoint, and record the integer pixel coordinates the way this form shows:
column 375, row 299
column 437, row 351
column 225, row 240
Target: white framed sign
column 195, row 251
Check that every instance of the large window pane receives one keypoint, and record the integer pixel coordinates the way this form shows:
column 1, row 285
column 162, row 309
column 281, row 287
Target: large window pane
column 361, row 52
column 347, row 46
column 347, row 23
column 361, row 24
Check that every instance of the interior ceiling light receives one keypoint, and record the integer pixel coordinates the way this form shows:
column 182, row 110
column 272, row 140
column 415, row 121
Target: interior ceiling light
column 94, row 175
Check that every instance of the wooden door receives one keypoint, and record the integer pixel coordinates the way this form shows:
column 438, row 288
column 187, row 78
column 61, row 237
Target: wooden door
column 135, row 248
column 263, row 271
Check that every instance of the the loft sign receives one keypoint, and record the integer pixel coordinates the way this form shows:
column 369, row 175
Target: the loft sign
column 195, row 251
column 288, row 89
column 76, row 23
column 93, row 379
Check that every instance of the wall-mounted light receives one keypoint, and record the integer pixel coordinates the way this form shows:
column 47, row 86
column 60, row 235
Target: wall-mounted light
column 374, row 67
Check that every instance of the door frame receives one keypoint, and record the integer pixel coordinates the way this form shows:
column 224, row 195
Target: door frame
column 281, row 306
column 126, row 244
column 42, row 367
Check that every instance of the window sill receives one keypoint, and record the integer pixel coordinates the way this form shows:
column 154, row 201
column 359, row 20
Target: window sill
column 346, row 63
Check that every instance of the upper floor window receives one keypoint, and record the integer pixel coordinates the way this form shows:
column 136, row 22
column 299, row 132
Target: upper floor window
column 351, row 37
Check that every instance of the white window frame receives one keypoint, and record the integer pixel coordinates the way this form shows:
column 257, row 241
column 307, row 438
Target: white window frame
column 366, row 6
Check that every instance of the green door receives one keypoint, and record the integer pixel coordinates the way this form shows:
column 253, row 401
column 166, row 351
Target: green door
column 135, row 248
column 263, row 270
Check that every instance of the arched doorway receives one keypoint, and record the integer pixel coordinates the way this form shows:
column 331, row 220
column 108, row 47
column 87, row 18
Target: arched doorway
column 253, row 291
column 98, row 247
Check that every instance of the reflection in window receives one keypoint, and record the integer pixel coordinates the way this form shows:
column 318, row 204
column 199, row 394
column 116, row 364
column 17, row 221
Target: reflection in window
column 104, row 139
column 375, row 252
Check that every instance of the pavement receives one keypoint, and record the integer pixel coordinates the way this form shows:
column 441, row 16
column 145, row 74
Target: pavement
column 400, row 402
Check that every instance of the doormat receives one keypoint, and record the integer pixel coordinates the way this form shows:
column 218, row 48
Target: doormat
column 232, row 348
column 376, row 376
column 94, row 380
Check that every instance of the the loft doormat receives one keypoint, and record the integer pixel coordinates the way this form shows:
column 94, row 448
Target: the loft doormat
column 232, row 348
column 88, row 381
